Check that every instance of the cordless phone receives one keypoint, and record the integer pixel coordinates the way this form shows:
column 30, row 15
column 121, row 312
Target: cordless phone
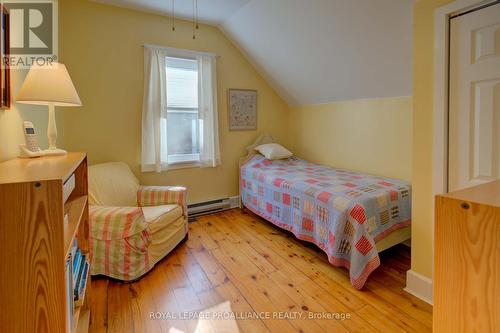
column 30, row 149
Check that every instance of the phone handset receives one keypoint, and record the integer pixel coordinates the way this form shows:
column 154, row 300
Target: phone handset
column 30, row 149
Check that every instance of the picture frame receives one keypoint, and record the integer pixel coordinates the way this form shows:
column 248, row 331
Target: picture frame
column 242, row 109
column 5, row 88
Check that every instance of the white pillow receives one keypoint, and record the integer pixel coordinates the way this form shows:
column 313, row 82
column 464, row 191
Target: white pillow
column 273, row 151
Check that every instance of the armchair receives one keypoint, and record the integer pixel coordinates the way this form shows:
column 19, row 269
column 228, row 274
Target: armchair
column 132, row 227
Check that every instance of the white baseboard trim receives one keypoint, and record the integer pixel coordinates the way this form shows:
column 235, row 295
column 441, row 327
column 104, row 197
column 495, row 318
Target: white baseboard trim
column 213, row 206
column 419, row 286
column 234, row 202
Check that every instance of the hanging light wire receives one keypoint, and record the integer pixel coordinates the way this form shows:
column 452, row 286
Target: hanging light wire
column 197, row 26
column 194, row 19
column 173, row 15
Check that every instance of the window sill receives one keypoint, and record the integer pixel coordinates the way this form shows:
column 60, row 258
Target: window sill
column 172, row 166
column 183, row 165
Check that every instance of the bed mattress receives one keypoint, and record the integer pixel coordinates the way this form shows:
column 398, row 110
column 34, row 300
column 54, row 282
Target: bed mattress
column 343, row 212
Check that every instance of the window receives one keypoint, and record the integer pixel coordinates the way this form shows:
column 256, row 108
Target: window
column 179, row 115
column 181, row 127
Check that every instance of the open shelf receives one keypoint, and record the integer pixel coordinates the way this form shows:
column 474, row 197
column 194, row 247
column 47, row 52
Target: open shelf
column 81, row 310
column 84, row 322
column 28, row 187
column 75, row 209
column 81, row 319
column 85, row 286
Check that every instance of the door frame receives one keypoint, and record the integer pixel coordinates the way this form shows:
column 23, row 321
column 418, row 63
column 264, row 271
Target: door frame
column 417, row 284
column 442, row 18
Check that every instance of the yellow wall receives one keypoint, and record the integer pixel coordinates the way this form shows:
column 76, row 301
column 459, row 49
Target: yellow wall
column 423, row 85
column 367, row 135
column 374, row 136
column 102, row 48
column 105, row 61
column 11, row 121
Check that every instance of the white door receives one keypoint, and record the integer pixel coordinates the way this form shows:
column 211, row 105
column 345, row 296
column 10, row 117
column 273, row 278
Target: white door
column 474, row 105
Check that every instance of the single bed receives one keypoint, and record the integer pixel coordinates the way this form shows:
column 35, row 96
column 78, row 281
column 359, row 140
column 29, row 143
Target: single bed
column 350, row 216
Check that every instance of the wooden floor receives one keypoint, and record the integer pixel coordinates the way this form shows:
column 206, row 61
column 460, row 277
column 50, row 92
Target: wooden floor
column 235, row 261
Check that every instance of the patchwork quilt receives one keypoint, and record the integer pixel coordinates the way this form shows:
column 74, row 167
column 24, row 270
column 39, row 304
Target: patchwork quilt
column 342, row 212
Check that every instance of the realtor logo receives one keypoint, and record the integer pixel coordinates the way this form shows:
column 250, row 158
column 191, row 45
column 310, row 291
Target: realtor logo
column 32, row 32
column 30, row 28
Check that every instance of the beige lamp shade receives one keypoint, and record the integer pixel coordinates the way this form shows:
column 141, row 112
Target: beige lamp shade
column 48, row 85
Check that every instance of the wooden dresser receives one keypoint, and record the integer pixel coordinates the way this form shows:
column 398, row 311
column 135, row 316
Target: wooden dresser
column 35, row 243
column 467, row 260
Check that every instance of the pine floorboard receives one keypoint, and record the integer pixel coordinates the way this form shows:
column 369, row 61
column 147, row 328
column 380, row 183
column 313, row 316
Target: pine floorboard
column 236, row 261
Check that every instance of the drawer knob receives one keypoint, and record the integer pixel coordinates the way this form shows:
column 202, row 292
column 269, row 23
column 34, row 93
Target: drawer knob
column 465, row 205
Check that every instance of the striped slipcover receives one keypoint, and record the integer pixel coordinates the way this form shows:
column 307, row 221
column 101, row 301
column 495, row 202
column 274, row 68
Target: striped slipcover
column 120, row 236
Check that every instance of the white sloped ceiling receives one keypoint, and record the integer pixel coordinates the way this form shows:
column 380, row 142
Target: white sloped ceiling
column 319, row 51
column 211, row 12
column 313, row 51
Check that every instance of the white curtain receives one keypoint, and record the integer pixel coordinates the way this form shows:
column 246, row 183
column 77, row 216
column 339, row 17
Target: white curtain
column 154, row 114
column 207, row 108
column 154, row 144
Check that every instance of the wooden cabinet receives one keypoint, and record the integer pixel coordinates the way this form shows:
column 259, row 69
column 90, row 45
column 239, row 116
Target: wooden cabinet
column 467, row 260
column 35, row 242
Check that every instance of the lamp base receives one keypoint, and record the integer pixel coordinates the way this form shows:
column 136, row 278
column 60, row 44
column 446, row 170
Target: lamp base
column 54, row 152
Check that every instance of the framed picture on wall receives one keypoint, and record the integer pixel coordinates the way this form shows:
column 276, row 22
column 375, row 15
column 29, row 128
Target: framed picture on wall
column 5, row 93
column 242, row 109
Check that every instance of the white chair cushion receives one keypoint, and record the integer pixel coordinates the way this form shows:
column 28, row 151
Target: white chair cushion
column 161, row 216
column 112, row 184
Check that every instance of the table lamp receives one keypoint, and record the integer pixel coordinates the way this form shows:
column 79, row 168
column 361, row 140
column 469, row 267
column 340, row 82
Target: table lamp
column 49, row 85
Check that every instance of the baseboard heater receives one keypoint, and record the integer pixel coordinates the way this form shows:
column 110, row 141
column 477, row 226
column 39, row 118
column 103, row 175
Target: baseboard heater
column 213, row 206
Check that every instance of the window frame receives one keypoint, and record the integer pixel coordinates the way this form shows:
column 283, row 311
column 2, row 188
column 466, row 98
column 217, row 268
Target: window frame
column 149, row 156
column 181, row 161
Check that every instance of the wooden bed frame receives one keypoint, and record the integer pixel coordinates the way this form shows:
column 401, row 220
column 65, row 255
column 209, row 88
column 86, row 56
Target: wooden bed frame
column 394, row 238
